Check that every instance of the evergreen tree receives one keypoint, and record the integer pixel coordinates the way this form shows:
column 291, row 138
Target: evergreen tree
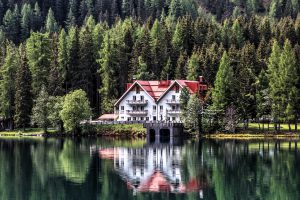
column 191, row 121
column 36, row 18
column 180, row 71
column 165, row 74
column 222, row 94
column 175, row 9
column 7, row 84
column 51, row 24
column 288, row 66
column 193, row 67
column 41, row 110
column 23, row 100
column 275, row 84
column 26, row 16
column 38, row 53
column 63, row 57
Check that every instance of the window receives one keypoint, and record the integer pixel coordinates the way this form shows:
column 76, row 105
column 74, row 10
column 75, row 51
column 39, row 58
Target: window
column 161, row 108
column 173, row 118
column 134, row 98
column 147, row 118
column 142, row 108
column 154, row 108
column 122, row 107
column 133, row 108
column 137, row 90
column 142, row 98
column 134, row 118
column 129, row 119
column 154, row 118
column 142, row 118
column 173, row 107
column 177, row 89
column 173, row 97
column 168, row 118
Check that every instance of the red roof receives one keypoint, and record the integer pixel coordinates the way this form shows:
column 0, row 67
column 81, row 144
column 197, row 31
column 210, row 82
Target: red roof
column 157, row 89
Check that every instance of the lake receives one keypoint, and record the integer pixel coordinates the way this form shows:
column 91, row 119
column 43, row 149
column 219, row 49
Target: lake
column 90, row 168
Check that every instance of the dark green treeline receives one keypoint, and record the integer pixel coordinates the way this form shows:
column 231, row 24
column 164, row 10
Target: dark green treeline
column 99, row 49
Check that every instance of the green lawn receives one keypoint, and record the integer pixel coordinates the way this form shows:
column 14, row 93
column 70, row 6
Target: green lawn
column 121, row 129
column 283, row 127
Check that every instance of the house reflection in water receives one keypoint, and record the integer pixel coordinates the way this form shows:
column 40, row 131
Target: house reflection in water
column 152, row 169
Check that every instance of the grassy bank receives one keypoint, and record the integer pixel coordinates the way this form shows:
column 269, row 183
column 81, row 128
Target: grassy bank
column 120, row 130
column 27, row 132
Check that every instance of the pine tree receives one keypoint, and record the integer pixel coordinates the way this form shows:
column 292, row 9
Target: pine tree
column 222, row 94
column 180, row 71
column 56, row 76
column 166, row 71
column 275, row 84
column 7, row 84
column 37, row 18
column 175, row 9
column 38, row 53
column 191, row 121
column 26, row 16
column 73, row 58
column 41, row 110
column 63, row 57
column 51, row 24
column 288, row 68
column 193, row 67
column 23, row 100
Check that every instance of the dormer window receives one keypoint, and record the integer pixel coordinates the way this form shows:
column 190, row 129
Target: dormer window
column 177, row 89
column 137, row 90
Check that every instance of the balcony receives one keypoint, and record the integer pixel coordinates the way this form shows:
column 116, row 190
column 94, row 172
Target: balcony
column 137, row 112
column 137, row 102
column 173, row 101
column 174, row 112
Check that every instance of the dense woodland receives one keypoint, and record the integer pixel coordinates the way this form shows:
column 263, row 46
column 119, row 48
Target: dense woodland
column 248, row 51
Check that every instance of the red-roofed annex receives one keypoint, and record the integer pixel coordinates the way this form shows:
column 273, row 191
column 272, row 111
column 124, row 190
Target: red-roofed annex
column 155, row 100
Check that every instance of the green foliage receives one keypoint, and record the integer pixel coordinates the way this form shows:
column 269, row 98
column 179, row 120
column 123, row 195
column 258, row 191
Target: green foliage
column 23, row 98
column 41, row 110
column 7, row 82
column 193, row 109
column 38, row 54
column 75, row 109
column 222, row 95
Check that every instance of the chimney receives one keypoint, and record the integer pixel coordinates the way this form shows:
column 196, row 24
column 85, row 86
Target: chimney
column 201, row 79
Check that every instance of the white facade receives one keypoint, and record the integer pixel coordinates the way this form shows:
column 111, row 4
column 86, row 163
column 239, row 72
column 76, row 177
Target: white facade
column 138, row 105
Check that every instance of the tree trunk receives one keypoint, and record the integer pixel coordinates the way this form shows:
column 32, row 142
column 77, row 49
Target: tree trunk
column 296, row 124
column 290, row 129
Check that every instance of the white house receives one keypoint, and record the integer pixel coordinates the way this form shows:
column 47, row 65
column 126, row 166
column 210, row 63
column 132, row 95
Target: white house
column 155, row 100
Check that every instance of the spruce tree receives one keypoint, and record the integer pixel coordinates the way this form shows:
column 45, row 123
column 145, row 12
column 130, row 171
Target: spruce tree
column 23, row 100
column 222, row 94
column 51, row 24
column 39, row 57
column 193, row 67
column 7, row 84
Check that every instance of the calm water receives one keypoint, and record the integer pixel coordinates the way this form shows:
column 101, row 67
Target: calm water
column 132, row 169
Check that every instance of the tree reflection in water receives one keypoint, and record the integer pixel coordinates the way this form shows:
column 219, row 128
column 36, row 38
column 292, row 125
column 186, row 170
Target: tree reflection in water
column 131, row 169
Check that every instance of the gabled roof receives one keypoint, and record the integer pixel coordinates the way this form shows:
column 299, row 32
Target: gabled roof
column 157, row 89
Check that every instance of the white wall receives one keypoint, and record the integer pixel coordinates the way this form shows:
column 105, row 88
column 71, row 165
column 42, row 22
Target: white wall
column 123, row 116
column 166, row 106
column 160, row 116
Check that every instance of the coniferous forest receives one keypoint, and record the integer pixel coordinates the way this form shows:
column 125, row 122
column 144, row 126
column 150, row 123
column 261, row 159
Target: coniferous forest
column 248, row 51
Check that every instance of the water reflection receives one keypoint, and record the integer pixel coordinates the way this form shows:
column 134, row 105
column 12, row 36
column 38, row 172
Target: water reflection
column 132, row 169
column 152, row 168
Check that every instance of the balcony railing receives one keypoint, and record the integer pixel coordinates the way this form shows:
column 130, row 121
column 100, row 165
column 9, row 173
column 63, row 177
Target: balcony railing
column 173, row 101
column 177, row 111
column 137, row 102
column 137, row 112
